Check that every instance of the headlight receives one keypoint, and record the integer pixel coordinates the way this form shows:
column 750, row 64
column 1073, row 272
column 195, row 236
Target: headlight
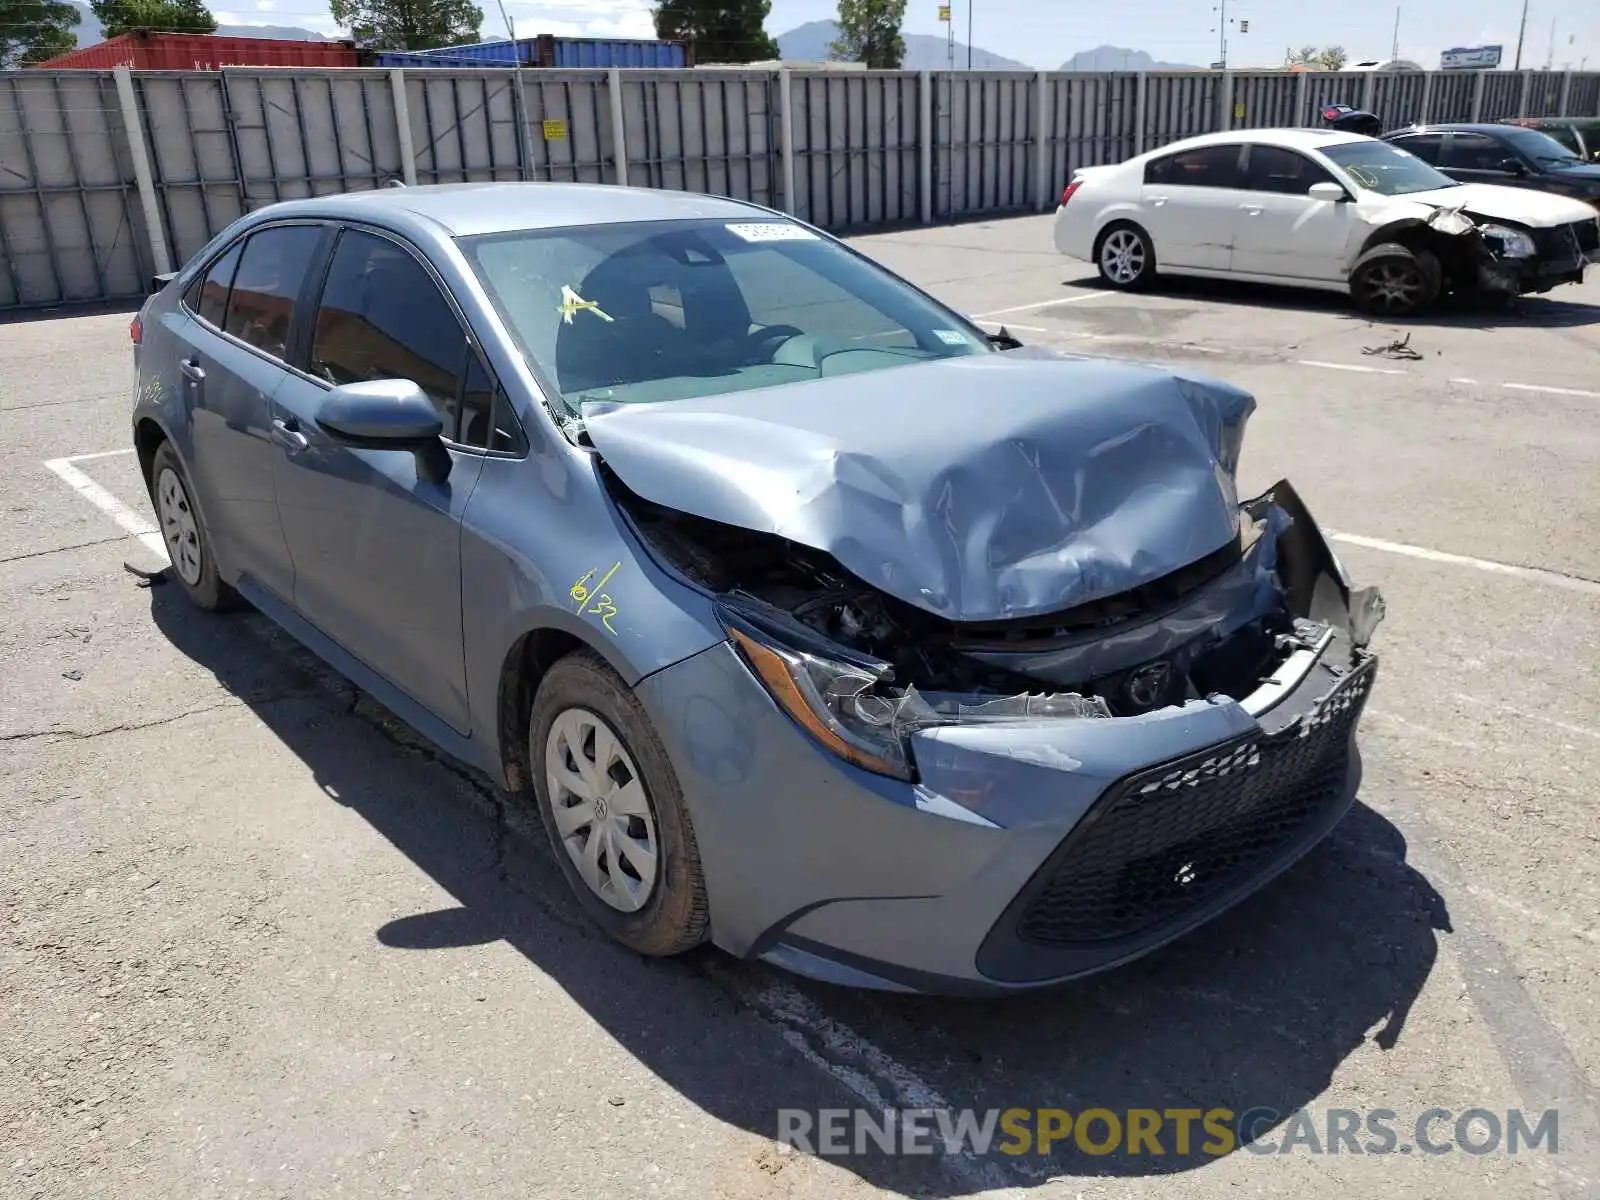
column 834, row 702
column 1513, row 243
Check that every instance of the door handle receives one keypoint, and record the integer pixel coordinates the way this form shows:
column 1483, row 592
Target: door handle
column 192, row 369
column 1158, row 201
column 287, row 434
column 1253, row 209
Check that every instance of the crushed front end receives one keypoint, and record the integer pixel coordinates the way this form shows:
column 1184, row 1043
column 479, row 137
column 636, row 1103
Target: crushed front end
column 1508, row 258
column 1012, row 803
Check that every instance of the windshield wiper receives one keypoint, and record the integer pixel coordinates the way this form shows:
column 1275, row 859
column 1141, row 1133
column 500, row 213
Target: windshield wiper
column 1002, row 340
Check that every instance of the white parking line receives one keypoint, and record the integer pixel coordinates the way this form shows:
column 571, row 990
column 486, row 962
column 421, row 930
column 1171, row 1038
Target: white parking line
column 139, row 526
column 996, row 312
column 1554, row 391
column 1332, row 366
column 1573, row 583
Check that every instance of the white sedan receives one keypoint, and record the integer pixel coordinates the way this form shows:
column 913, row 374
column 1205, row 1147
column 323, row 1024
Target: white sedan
column 1323, row 209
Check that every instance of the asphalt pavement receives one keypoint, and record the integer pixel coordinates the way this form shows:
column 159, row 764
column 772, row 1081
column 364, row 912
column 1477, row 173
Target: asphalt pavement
column 257, row 940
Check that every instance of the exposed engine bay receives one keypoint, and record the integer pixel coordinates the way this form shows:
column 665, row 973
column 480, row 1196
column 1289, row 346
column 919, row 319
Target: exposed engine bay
column 1220, row 626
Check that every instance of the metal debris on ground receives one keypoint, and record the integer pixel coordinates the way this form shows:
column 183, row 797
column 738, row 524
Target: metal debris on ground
column 1399, row 348
column 146, row 578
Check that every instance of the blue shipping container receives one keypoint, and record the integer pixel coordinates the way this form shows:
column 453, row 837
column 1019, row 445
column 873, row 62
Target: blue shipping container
column 429, row 58
column 547, row 50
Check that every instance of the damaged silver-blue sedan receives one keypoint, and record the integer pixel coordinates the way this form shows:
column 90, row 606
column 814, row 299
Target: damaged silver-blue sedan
column 816, row 622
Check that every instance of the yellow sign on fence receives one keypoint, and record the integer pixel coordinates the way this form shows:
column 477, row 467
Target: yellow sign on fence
column 1238, row 112
column 944, row 12
column 555, row 131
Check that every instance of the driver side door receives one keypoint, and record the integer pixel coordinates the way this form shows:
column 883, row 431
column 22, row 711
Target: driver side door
column 1284, row 232
column 376, row 547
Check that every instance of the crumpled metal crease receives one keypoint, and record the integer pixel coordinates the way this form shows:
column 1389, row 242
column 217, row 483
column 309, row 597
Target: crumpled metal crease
column 978, row 488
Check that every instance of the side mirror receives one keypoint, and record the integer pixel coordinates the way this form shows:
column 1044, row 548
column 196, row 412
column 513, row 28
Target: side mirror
column 388, row 414
column 1328, row 191
column 1512, row 166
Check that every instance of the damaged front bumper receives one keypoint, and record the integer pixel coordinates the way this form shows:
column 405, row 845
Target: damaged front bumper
column 1518, row 260
column 1037, row 840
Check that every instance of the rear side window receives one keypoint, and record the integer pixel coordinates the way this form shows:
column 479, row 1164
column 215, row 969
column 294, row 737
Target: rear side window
column 1426, row 146
column 271, row 272
column 208, row 298
column 1475, row 152
column 1274, row 169
column 383, row 317
column 1204, row 166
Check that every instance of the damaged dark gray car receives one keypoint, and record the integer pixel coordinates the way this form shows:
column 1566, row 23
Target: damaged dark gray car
column 815, row 622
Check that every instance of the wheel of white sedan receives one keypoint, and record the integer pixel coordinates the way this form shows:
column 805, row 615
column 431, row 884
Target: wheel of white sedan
column 613, row 810
column 1125, row 257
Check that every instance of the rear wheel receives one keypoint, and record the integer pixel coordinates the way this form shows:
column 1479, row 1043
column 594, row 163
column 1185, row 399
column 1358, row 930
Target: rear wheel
column 1125, row 257
column 183, row 529
column 1392, row 280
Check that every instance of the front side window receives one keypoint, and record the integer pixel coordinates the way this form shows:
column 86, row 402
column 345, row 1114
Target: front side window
column 272, row 270
column 1386, row 169
column 661, row 311
column 382, row 316
column 1274, row 169
column 1475, row 152
column 1204, row 166
column 1541, row 148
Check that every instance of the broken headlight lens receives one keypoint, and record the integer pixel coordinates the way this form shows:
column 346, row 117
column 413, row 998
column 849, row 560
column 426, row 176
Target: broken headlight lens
column 1508, row 242
column 836, row 703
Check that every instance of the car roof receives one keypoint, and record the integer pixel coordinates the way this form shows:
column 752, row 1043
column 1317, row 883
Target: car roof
column 1456, row 127
column 467, row 209
column 1294, row 139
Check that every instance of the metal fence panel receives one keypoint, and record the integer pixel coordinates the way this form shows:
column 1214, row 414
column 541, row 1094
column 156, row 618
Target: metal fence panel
column 1263, row 100
column 1179, row 106
column 1544, row 95
column 1092, row 121
column 1584, row 97
column 701, row 132
column 1450, row 98
column 984, row 133
column 856, row 142
column 1330, row 87
column 68, row 224
column 466, row 125
column 1397, row 98
column 1501, row 92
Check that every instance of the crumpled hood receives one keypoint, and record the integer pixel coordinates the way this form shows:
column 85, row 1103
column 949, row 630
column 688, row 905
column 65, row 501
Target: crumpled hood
column 979, row 488
column 1522, row 205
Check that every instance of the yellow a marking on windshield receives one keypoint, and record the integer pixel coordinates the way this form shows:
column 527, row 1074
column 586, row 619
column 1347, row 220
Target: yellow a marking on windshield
column 572, row 304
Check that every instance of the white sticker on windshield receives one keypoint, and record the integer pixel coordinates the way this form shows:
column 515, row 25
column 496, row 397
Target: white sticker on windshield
column 771, row 231
column 951, row 337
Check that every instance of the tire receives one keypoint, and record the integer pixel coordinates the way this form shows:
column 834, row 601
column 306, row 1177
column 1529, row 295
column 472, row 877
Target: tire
column 1125, row 256
column 1392, row 280
column 580, row 700
column 184, row 530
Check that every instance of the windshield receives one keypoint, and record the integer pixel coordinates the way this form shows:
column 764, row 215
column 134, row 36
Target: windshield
column 1386, row 169
column 1541, row 148
column 641, row 313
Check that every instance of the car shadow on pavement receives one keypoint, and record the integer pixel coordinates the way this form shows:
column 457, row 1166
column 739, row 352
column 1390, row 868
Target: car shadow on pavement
column 1547, row 311
column 1254, row 1011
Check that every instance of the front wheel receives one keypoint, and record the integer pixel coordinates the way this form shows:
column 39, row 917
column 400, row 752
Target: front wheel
column 1392, row 280
column 1125, row 257
column 183, row 529
column 613, row 810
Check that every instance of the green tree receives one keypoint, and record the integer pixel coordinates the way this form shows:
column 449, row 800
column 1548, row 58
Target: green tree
column 1306, row 56
column 1333, row 58
column 409, row 24
column 168, row 16
column 726, row 31
column 869, row 32
column 34, row 30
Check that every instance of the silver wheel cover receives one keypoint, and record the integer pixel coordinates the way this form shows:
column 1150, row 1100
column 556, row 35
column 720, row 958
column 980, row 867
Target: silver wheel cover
column 1122, row 256
column 601, row 813
column 178, row 526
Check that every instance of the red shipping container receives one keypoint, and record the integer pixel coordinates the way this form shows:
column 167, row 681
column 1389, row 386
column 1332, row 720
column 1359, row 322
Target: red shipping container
column 146, row 51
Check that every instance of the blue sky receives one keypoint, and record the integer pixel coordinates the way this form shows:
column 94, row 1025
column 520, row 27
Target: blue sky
column 1044, row 33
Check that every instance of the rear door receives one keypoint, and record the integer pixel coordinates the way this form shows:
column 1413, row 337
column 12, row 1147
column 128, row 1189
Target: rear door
column 233, row 352
column 1282, row 231
column 376, row 548
column 1189, row 202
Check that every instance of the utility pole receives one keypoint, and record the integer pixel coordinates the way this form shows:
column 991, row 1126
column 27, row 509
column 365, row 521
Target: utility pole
column 1550, row 58
column 1394, row 53
column 1521, row 29
column 1222, row 35
column 969, row 34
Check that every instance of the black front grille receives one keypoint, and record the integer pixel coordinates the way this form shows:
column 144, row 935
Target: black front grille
column 1588, row 235
column 1166, row 840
